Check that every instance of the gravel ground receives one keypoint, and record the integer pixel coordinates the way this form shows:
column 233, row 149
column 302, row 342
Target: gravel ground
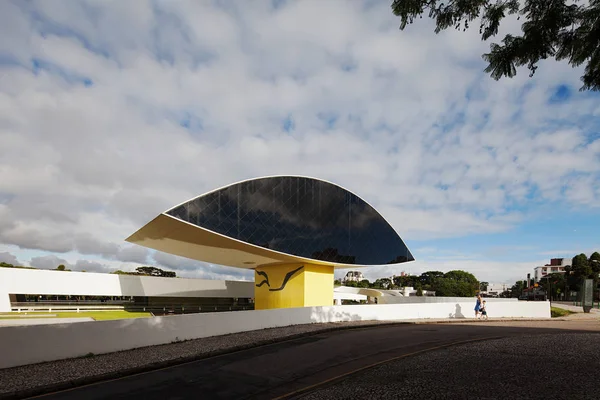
column 79, row 370
column 557, row 366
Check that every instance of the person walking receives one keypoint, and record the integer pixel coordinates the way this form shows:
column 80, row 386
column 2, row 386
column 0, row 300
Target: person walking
column 483, row 311
column 478, row 306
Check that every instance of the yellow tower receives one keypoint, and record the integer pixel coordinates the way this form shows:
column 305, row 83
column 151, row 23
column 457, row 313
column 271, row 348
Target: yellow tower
column 293, row 285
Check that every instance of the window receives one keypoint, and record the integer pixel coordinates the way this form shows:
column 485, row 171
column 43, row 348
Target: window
column 299, row 216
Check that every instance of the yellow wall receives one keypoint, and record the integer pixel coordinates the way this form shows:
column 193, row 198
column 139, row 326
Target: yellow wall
column 310, row 285
column 318, row 285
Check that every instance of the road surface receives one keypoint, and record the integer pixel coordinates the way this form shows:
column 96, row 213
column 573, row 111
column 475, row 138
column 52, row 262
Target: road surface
column 289, row 368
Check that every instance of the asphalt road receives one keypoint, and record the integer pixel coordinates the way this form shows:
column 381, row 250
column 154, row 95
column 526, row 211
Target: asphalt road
column 288, row 368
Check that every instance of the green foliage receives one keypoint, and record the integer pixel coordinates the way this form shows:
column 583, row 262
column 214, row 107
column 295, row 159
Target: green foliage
column 7, row 265
column 551, row 29
column 559, row 312
column 483, row 286
column 517, row 288
column 428, row 278
column 553, row 284
column 153, row 271
column 451, row 288
column 581, row 266
column 407, row 280
column 594, row 263
column 364, row 284
column 383, row 283
column 119, row 272
column 96, row 315
column 62, row 267
column 464, row 280
column 452, row 283
column 147, row 271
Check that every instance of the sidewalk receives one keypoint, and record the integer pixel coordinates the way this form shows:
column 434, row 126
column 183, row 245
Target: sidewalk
column 578, row 310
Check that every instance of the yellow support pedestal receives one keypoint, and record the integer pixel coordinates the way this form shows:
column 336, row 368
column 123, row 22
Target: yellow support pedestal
column 293, row 285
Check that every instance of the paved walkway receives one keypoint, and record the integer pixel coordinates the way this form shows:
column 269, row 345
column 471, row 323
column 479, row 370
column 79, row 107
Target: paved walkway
column 594, row 313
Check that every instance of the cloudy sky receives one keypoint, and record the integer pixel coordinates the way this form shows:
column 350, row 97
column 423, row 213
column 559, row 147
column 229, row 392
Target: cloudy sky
column 113, row 111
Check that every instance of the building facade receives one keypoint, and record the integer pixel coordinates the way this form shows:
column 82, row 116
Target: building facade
column 556, row 265
column 292, row 231
column 353, row 276
column 496, row 289
column 17, row 284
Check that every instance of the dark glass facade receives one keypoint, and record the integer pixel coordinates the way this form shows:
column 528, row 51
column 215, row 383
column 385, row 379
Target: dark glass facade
column 300, row 216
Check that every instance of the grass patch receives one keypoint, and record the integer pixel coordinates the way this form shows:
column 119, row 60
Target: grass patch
column 96, row 315
column 556, row 312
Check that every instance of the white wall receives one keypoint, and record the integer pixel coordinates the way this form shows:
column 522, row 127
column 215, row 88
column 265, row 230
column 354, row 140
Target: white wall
column 31, row 281
column 4, row 300
column 32, row 344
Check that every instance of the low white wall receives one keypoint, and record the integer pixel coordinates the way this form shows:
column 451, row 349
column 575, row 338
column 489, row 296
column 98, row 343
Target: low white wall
column 32, row 344
column 440, row 299
column 4, row 300
column 31, row 281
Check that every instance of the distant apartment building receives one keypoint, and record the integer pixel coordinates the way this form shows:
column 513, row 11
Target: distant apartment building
column 496, row 289
column 353, row 276
column 557, row 265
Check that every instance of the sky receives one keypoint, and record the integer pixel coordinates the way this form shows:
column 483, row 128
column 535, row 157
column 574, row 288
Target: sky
column 112, row 112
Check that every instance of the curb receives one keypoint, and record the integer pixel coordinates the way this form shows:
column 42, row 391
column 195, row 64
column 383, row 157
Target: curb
column 71, row 384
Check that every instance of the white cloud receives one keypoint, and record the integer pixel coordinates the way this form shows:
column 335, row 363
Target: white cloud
column 48, row 262
column 91, row 266
column 195, row 269
column 414, row 126
column 9, row 258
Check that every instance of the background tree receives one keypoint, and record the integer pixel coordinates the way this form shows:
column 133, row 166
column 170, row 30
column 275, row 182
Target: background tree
column 382, row 283
column 406, row 280
column 7, row 265
column 364, row 283
column 568, row 281
column 351, row 284
column 483, row 286
column 119, row 272
column 517, row 289
column 553, row 284
column 455, row 284
column 580, row 266
column 419, row 291
column 559, row 29
column 154, row 271
column 61, row 267
column 428, row 278
column 594, row 263
column 464, row 277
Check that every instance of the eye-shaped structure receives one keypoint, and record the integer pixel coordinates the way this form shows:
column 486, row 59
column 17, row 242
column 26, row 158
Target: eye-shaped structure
column 275, row 220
